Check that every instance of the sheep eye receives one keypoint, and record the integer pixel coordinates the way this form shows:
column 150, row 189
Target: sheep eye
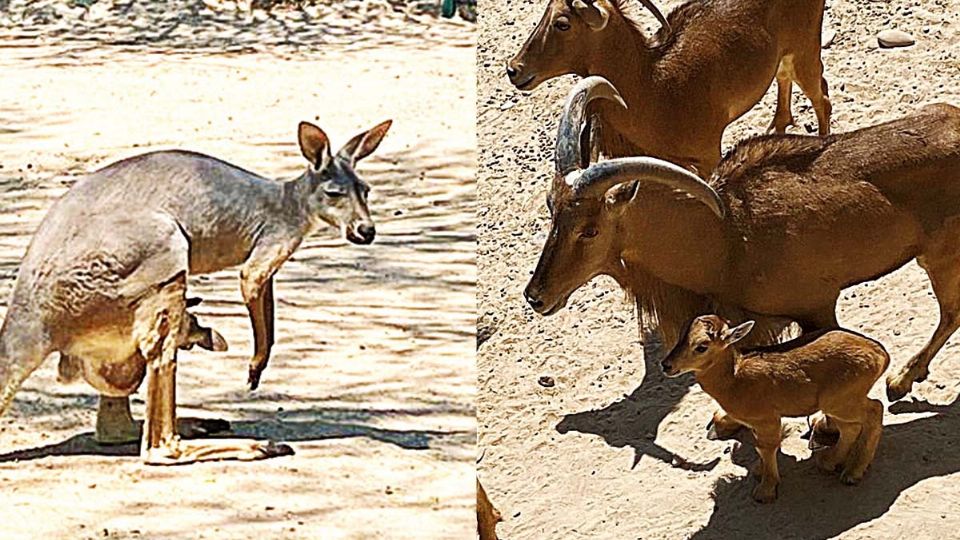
column 562, row 24
column 701, row 348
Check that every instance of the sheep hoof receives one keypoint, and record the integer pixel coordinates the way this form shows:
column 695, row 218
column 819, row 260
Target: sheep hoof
column 764, row 494
column 826, row 462
column 897, row 389
column 851, row 478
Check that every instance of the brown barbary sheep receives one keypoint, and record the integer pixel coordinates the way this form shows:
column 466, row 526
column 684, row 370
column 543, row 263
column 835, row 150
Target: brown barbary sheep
column 710, row 63
column 830, row 371
column 785, row 223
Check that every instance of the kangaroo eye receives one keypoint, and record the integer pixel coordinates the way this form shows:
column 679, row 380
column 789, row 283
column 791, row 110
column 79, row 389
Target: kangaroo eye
column 562, row 24
column 333, row 194
column 701, row 348
column 589, row 232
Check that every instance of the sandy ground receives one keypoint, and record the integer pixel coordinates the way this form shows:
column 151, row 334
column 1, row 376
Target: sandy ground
column 372, row 379
column 614, row 450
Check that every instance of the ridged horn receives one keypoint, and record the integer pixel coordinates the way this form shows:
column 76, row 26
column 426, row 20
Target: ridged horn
column 599, row 177
column 570, row 136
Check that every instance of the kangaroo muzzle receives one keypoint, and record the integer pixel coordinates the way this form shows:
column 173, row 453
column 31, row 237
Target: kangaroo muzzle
column 362, row 233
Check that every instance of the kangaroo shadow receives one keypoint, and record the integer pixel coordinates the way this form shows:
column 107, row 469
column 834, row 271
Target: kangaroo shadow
column 813, row 505
column 277, row 430
column 633, row 421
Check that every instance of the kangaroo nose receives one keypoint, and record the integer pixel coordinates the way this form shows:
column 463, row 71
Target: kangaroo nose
column 511, row 72
column 367, row 232
column 665, row 365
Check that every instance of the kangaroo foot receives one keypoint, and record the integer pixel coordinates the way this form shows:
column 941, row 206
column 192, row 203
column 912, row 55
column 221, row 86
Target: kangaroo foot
column 181, row 452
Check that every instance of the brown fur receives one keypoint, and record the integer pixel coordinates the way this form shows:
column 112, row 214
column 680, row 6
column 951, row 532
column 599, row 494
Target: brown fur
column 805, row 218
column 487, row 515
column 735, row 48
column 829, row 370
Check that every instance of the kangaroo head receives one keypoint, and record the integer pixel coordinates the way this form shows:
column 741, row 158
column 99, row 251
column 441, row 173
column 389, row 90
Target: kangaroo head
column 338, row 196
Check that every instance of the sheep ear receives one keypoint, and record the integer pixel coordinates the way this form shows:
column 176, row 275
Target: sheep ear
column 593, row 12
column 733, row 335
column 618, row 198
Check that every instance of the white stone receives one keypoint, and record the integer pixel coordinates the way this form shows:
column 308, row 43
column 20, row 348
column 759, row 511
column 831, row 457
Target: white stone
column 894, row 38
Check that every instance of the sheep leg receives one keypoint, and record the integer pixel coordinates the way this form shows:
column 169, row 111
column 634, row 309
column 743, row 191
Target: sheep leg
column 866, row 446
column 942, row 265
column 824, row 432
column 783, row 117
column 722, row 427
column 808, row 72
column 768, row 444
column 829, row 459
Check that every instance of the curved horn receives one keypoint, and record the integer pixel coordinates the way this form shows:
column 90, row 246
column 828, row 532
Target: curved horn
column 656, row 13
column 600, row 177
column 573, row 121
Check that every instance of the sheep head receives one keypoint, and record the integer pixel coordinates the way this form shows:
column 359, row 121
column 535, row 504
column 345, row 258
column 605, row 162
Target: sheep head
column 585, row 239
column 570, row 35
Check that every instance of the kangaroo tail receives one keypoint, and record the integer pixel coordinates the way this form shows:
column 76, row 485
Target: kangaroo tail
column 23, row 347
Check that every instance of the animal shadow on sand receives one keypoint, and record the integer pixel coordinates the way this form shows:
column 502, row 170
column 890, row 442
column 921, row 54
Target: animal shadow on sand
column 633, row 420
column 812, row 505
column 303, row 426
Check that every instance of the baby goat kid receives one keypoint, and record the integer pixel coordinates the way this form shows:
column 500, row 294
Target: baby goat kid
column 830, row 371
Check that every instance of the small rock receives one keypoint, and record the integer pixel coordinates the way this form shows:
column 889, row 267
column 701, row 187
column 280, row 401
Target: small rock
column 889, row 39
column 507, row 105
column 826, row 40
column 546, row 381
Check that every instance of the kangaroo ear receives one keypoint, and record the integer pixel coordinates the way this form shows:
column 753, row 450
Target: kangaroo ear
column 365, row 143
column 314, row 145
column 737, row 333
column 595, row 13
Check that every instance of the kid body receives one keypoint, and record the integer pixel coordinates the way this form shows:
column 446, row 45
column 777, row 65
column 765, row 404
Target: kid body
column 830, row 371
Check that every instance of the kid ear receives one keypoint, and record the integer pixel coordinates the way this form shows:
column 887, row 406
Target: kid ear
column 314, row 145
column 735, row 334
column 365, row 143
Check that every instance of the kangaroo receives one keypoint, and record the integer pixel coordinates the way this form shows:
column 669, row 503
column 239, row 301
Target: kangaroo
column 106, row 287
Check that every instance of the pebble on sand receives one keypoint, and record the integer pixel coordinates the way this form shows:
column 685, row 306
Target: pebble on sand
column 889, row 39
